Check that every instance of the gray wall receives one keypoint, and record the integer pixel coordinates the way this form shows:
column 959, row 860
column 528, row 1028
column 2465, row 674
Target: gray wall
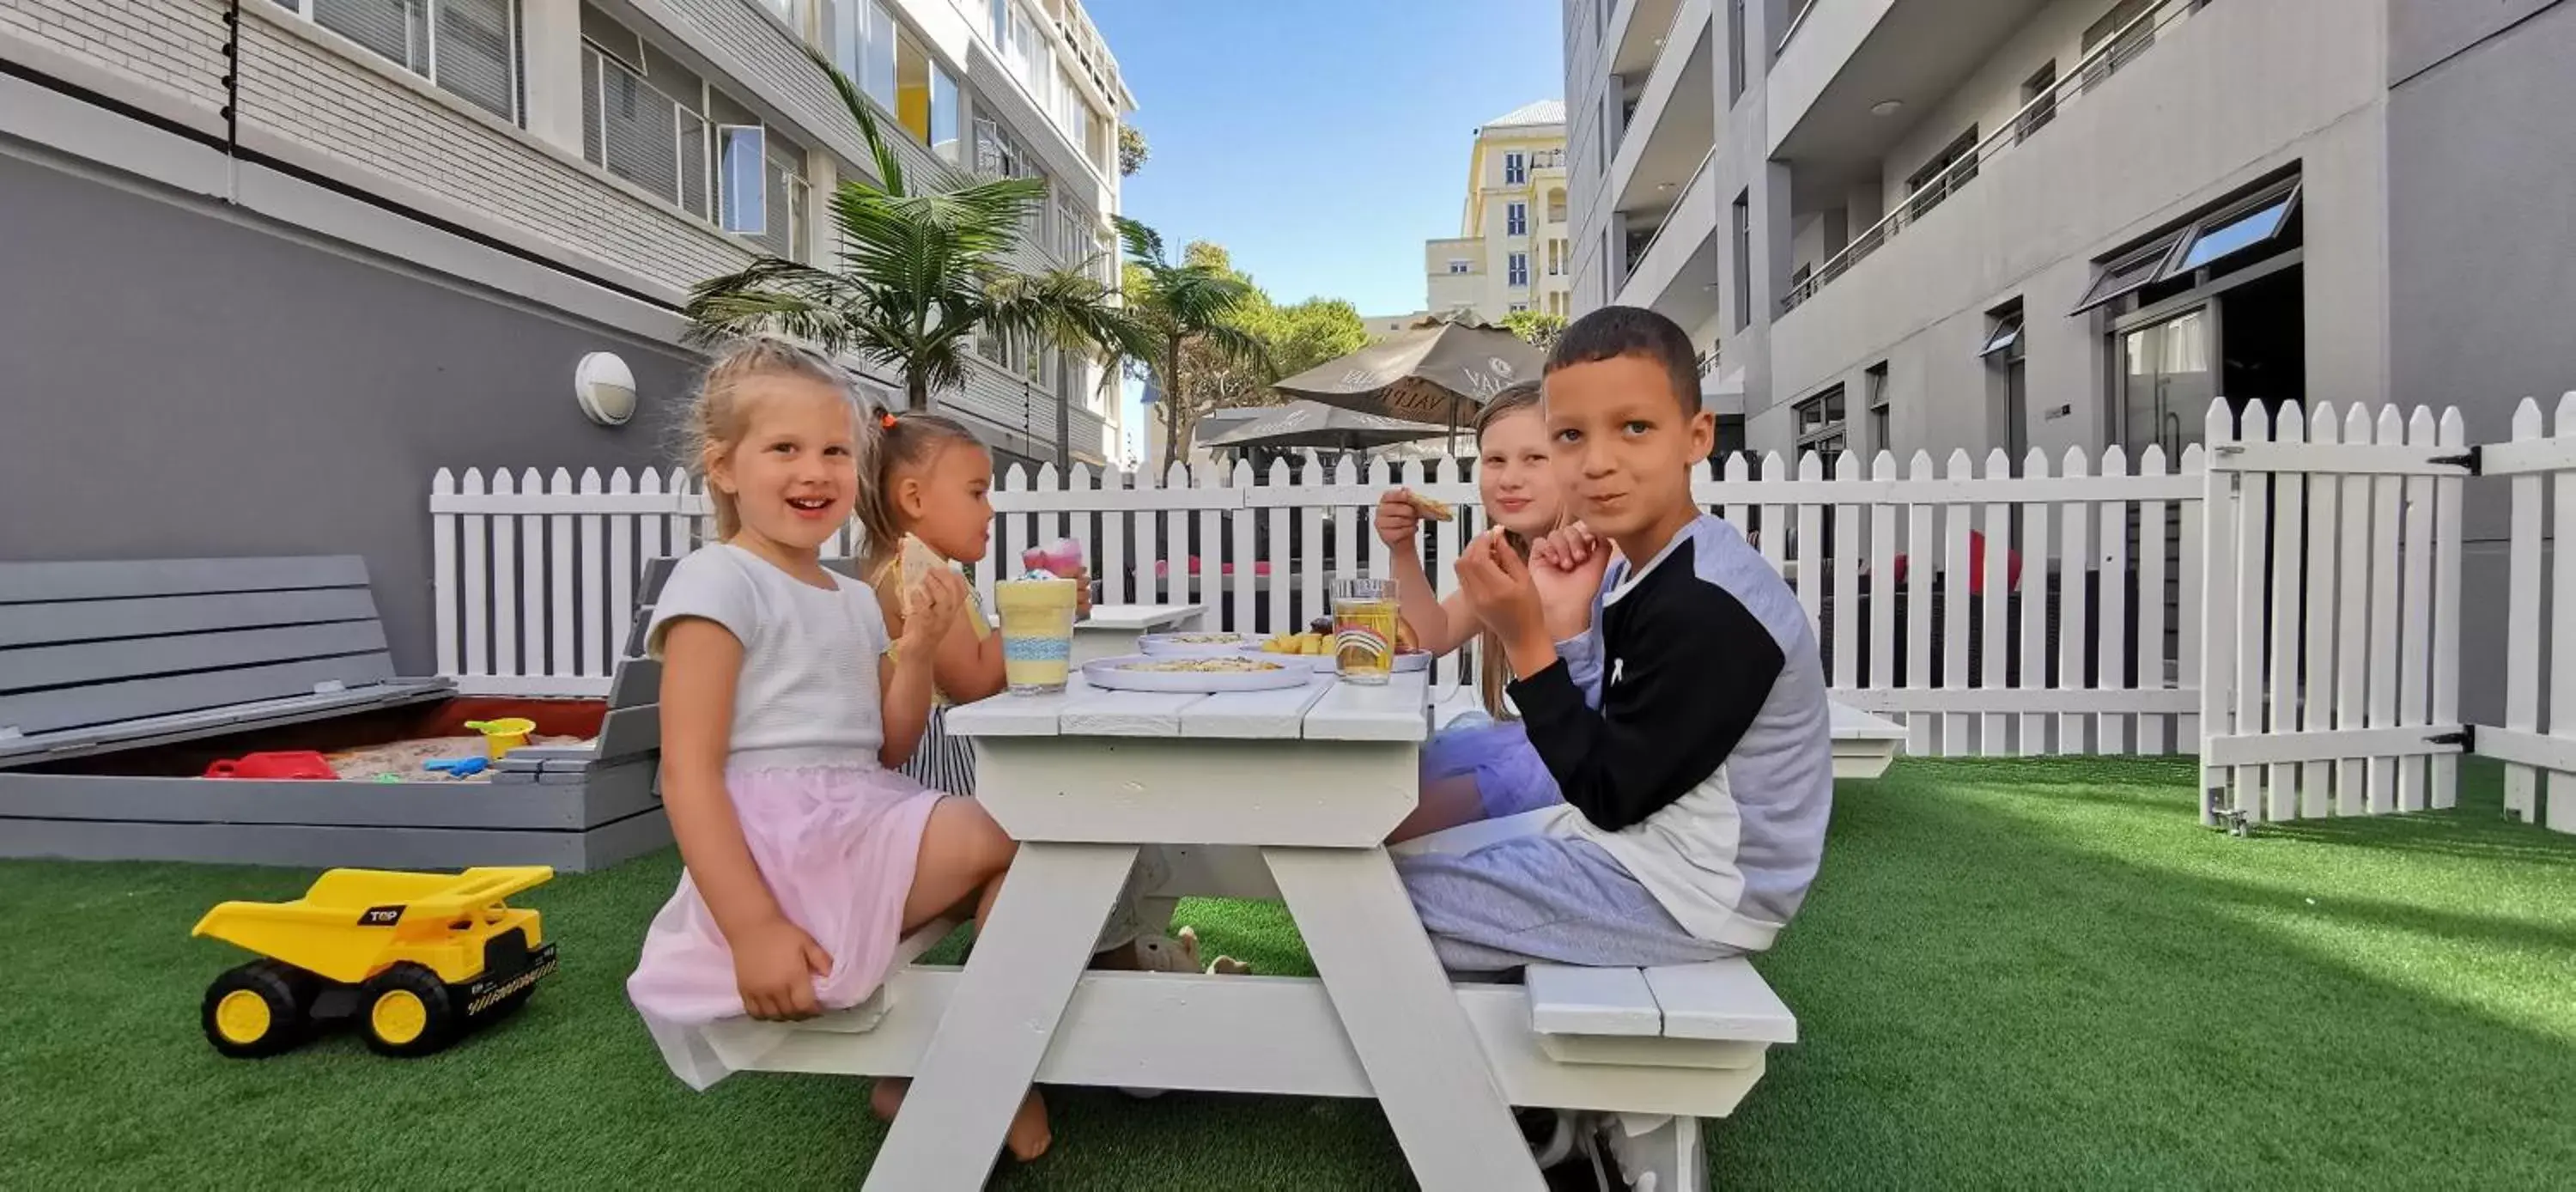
column 2482, row 246
column 177, row 383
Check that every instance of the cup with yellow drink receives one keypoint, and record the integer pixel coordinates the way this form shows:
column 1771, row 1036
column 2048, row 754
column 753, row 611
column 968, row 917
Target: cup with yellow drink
column 1364, row 630
column 1037, row 632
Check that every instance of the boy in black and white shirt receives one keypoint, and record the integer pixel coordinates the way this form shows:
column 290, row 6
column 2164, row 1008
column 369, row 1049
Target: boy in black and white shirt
column 1688, row 727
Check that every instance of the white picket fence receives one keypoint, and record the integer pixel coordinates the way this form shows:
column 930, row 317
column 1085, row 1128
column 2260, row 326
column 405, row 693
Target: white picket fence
column 2335, row 609
column 2334, row 598
column 2094, row 646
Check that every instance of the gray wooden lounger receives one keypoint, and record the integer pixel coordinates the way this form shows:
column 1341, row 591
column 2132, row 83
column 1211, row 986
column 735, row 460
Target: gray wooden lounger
column 97, row 658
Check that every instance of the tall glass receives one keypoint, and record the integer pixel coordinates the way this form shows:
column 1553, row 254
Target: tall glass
column 1364, row 617
column 1037, row 633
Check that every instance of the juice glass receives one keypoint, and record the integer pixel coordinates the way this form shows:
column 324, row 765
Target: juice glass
column 1364, row 616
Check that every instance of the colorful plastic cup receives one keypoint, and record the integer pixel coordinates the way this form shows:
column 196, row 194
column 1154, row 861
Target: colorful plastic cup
column 1037, row 633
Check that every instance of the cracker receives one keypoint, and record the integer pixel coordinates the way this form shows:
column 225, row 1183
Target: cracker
column 1434, row 509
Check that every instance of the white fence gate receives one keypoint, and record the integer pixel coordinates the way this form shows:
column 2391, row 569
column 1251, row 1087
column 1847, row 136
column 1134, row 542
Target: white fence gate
column 2335, row 607
column 2081, row 634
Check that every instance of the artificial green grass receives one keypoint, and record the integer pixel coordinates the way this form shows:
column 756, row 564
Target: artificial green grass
column 2011, row 973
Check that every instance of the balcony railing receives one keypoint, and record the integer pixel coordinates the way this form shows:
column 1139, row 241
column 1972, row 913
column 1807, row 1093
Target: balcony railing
column 1639, row 252
column 2103, row 61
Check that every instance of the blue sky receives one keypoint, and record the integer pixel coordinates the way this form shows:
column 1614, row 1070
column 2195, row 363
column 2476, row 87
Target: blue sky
column 1321, row 141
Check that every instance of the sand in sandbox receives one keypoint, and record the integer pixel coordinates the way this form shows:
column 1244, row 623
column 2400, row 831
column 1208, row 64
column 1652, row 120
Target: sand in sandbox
column 403, row 758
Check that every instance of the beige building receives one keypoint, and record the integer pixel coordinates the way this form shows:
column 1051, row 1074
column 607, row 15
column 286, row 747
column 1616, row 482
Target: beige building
column 1511, row 252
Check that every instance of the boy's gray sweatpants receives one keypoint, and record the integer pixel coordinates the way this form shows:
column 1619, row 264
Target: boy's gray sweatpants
column 1553, row 899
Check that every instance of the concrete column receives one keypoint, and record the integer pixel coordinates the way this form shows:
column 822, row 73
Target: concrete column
column 822, row 177
column 550, row 40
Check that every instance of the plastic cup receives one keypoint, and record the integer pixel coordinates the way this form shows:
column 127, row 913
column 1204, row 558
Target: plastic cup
column 1364, row 620
column 1037, row 633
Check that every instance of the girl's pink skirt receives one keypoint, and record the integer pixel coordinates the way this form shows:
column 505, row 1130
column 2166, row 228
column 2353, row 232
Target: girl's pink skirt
column 837, row 845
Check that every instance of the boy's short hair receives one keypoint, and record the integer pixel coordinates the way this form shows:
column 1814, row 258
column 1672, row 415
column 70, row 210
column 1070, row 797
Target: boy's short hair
column 1615, row 331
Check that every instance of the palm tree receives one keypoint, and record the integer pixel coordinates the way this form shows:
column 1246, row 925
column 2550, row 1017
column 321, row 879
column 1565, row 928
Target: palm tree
column 920, row 272
column 1182, row 306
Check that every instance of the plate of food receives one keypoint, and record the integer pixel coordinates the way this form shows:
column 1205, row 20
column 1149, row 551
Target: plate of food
column 1315, row 648
column 1205, row 675
column 1190, row 645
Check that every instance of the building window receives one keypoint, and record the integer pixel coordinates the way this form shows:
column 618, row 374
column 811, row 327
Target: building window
column 2038, row 101
column 1743, row 260
column 1459, row 266
column 2123, row 15
column 742, row 166
column 1515, row 168
column 1520, row 308
column 1819, row 422
column 1556, row 206
column 1955, row 166
column 1517, row 269
column 1735, row 51
column 1874, row 393
column 998, row 156
column 1556, row 258
column 2003, row 353
column 1516, row 219
column 2264, row 218
column 467, row 48
column 944, row 115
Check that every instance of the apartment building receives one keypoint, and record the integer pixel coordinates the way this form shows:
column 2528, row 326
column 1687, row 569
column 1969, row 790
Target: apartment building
column 1511, row 251
column 2054, row 224
column 278, row 260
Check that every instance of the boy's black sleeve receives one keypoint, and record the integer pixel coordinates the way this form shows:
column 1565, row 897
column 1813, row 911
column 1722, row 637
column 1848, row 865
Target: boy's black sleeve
column 1689, row 678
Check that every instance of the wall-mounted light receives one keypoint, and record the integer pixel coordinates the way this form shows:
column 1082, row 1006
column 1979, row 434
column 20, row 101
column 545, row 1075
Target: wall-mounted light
column 1886, row 107
column 605, row 387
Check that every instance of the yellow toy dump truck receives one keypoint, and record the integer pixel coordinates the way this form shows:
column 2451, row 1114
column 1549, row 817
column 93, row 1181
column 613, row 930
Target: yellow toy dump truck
column 416, row 958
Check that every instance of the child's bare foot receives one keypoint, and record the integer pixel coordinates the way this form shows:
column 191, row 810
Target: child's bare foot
column 1029, row 1135
column 887, row 1097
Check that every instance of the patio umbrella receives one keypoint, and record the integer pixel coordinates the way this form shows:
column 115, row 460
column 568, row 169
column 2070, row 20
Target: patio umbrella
column 1315, row 424
column 1427, row 373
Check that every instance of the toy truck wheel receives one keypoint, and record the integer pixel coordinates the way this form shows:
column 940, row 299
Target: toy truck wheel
column 405, row 1011
column 257, row 1009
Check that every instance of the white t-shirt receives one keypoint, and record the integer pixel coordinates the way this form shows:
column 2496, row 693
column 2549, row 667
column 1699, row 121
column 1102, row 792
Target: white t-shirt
column 808, row 690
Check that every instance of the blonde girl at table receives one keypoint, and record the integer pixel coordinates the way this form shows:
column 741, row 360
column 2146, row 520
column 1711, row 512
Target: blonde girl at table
column 787, row 708
column 930, row 479
column 1481, row 766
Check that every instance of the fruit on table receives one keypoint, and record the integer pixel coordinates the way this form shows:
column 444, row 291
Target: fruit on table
column 1308, row 643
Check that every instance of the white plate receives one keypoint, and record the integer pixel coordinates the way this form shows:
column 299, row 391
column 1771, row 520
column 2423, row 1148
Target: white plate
column 1176, row 645
column 1327, row 664
column 1111, row 673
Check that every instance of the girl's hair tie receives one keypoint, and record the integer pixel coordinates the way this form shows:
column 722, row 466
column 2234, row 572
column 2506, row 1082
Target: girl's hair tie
column 886, row 420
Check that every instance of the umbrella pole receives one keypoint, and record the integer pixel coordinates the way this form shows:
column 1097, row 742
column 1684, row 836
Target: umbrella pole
column 1452, row 444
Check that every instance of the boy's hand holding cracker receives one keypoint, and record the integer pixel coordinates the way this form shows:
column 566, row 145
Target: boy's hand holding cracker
column 1499, row 588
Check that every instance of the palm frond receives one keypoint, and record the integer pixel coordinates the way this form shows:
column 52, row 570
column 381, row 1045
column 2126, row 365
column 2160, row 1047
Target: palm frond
column 889, row 167
column 1144, row 245
column 771, row 295
column 1238, row 345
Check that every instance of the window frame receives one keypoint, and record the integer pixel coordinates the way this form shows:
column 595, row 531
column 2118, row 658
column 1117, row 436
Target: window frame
column 1516, row 218
column 2161, row 258
column 721, row 163
column 513, row 57
column 1831, row 425
column 1516, row 271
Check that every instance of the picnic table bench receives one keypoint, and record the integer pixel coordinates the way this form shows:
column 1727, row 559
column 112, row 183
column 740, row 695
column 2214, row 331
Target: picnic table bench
column 1278, row 794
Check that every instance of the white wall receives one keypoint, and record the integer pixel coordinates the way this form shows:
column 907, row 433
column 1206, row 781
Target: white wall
column 2239, row 89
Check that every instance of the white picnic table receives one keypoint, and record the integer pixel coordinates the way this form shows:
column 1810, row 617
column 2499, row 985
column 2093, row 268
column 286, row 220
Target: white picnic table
column 1279, row 794
column 1312, row 777
column 1112, row 629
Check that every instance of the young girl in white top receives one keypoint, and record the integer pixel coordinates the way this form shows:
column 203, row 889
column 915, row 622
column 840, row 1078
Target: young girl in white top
column 808, row 856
